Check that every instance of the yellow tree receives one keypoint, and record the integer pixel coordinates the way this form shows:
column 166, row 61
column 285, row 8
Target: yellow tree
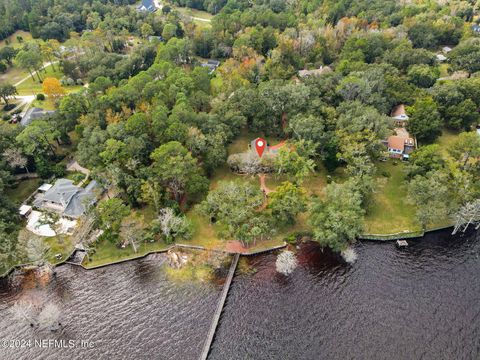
column 53, row 88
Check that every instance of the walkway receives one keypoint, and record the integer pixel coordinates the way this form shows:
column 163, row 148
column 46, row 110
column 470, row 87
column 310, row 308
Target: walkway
column 263, row 185
column 47, row 64
column 218, row 311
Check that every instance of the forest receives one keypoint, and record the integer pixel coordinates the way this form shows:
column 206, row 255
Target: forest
column 168, row 139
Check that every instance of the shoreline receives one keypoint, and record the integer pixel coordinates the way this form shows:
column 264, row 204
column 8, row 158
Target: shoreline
column 364, row 237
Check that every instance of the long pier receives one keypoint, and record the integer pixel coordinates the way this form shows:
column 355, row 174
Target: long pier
column 218, row 311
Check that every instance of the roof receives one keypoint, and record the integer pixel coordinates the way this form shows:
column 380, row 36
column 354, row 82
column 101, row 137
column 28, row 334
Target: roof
column 147, row 5
column 476, row 28
column 398, row 112
column 441, row 57
column 45, row 187
column 71, row 198
column 315, row 72
column 446, row 49
column 212, row 64
column 399, row 142
column 24, row 210
column 34, row 114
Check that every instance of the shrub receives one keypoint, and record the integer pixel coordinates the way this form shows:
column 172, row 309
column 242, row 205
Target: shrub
column 3, row 67
column 385, row 174
column 9, row 107
column 59, row 170
column 79, row 82
column 18, row 111
column 70, row 82
column 6, row 117
column 40, row 97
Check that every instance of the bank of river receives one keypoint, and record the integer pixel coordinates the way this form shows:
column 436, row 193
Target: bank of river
column 420, row 302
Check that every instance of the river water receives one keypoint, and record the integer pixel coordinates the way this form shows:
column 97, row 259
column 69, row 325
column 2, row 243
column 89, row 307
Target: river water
column 422, row 302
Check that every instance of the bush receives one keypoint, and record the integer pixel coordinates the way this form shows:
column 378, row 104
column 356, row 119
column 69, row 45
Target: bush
column 385, row 174
column 6, row 117
column 18, row 111
column 59, row 170
column 79, row 82
column 9, row 107
column 3, row 67
column 40, row 97
column 70, row 82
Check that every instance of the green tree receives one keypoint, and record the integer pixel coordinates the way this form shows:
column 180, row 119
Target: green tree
column 337, row 220
column 146, row 30
column 7, row 91
column 36, row 139
column 430, row 195
column 110, row 214
column 423, row 76
column 289, row 161
column 286, row 202
column 8, row 53
column 425, row 159
column 176, row 169
column 30, row 60
column 466, row 150
column 425, row 122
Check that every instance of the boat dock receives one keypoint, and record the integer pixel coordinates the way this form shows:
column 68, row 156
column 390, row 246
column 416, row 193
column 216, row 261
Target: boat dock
column 218, row 311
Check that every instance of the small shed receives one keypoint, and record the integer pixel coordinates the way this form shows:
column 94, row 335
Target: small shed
column 44, row 188
column 24, row 210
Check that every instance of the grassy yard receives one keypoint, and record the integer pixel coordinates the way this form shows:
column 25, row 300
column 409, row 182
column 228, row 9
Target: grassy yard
column 447, row 138
column 46, row 104
column 106, row 252
column 29, row 86
column 12, row 39
column 200, row 18
column 13, row 75
column 23, row 190
column 390, row 212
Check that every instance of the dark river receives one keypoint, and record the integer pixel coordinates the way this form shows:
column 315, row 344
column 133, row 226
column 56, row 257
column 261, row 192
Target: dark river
column 422, row 302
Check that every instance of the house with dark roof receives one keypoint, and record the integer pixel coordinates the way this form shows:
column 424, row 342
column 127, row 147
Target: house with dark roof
column 212, row 65
column 35, row 114
column 147, row 6
column 67, row 199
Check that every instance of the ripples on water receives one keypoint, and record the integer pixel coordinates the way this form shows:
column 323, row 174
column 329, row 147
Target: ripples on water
column 130, row 311
column 422, row 302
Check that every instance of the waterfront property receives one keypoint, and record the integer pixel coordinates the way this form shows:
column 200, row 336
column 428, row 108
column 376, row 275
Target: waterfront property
column 66, row 199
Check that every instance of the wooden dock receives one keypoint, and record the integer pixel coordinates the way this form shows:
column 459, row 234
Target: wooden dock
column 218, row 311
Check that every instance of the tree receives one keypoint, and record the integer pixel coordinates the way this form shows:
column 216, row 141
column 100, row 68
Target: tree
column 7, row 53
column 15, row 158
column 171, row 226
column 466, row 150
column 425, row 122
column 423, row 76
column 462, row 115
column 7, row 91
column 175, row 168
column 286, row 262
column 233, row 206
column 169, row 31
column 131, row 233
column 289, row 161
column 286, row 202
column 36, row 138
column 52, row 88
column 147, row 30
column 109, row 214
column 30, row 60
column 337, row 220
column 425, row 159
column 430, row 194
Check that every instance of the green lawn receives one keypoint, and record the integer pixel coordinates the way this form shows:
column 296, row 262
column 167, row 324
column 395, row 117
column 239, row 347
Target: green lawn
column 200, row 18
column 29, row 86
column 23, row 190
column 13, row 75
column 46, row 104
column 447, row 138
column 13, row 39
column 390, row 211
column 106, row 252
